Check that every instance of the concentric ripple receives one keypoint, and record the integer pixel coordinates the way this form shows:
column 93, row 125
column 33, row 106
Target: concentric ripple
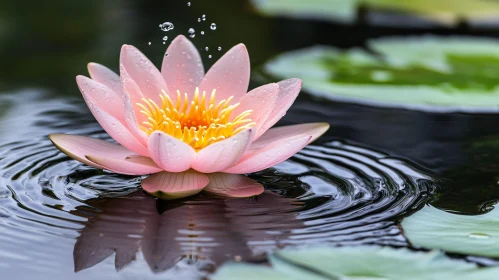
column 62, row 220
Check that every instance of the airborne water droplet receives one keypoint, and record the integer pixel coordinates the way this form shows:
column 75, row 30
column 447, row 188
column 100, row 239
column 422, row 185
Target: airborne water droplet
column 199, row 19
column 209, row 56
column 188, row 4
column 202, row 32
column 165, row 38
column 166, row 26
column 213, row 26
column 192, row 32
column 206, row 49
column 219, row 48
column 203, row 17
column 149, row 43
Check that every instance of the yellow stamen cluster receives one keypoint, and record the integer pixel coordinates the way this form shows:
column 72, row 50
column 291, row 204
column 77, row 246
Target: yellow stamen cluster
column 194, row 122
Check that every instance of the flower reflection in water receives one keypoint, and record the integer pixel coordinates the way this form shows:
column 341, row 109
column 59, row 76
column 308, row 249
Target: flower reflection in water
column 205, row 228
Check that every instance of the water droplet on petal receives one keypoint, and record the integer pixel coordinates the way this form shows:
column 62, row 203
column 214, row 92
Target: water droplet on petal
column 213, row 26
column 166, row 26
column 478, row 235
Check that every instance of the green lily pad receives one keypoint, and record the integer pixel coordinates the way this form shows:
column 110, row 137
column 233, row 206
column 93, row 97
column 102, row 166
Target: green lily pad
column 448, row 12
column 427, row 73
column 367, row 263
column 471, row 235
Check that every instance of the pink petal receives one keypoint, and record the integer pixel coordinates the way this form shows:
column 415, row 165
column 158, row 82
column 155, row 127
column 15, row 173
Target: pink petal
column 143, row 72
column 233, row 185
column 80, row 147
column 182, row 68
column 116, row 129
column 221, row 155
column 229, row 75
column 105, row 76
column 132, row 96
column 289, row 90
column 261, row 101
column 170, row 153
column 175, row 185
column 136, row 165
column 102, row 96
column 282, row 133
column 270, row 155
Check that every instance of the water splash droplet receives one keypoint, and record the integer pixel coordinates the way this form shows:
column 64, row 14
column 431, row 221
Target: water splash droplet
column 203, row 17
column 166, row 26
column 199, row 19
column 192, row 32
column 219, row 48
column 213, row 26
column 478, row 235
column 188, row 4
column 202, row 32
column 166, row 54
column 209, row 56
column 165, row 38
column 149, row 43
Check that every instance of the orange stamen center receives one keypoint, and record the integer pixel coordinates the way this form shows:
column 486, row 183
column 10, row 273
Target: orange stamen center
column 199, row 122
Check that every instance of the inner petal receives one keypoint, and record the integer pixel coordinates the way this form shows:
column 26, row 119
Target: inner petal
column 198, row 122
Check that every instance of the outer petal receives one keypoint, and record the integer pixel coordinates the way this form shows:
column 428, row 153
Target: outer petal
column 229, row 75
column 102, row 96
column 138, row 165
column 233, row 185
column 105, row 76
column 221, row 155
column 81, row 147
column 182, row 68
column 116, row 129
column 261, row 101
column 143, row 72
column 282, row 133
column 175, row 185
column 270, row 155
column 289, row 90
column 169, row 153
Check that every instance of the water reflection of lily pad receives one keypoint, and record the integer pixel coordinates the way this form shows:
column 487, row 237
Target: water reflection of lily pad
column 357, row 263
column 447, row 12
column 436, row 229
column 429, row 73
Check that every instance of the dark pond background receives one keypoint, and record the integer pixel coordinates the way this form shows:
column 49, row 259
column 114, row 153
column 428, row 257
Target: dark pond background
column 60, row 219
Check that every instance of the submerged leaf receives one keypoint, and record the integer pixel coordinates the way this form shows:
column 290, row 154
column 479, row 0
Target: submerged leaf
column 367, row 263
column 429, row 73
column 442, row 11
column 436, row 229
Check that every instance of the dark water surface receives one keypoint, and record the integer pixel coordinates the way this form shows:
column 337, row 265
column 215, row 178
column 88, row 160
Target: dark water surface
column 60, row 219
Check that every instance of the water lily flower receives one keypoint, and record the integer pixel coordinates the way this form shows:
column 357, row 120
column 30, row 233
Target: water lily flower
column 193, row 131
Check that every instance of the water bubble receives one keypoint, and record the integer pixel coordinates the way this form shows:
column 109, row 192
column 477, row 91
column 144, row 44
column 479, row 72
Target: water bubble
column 166, row 26
column 202, row 32
column 213, row 26
column 192, row 32
column 206, row 49
column 203, row 17
column 209, row 56
column 219, row 48
column 188, row 4
column 478, row 235
column 165, row 38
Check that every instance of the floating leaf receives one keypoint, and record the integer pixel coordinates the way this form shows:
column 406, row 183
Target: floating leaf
column 366, row 263
column 447, row 12
column 436, row 229
column 427, row 73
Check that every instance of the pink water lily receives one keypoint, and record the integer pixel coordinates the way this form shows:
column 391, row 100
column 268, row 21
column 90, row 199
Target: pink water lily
column 190, row 130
